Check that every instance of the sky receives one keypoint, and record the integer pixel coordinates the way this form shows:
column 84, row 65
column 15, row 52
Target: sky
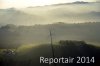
column 27, row 3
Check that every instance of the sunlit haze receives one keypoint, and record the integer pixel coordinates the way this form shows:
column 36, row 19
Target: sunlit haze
column 27, row 3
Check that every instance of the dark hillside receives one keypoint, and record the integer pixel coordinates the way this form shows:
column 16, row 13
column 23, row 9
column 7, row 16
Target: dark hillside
column 31, row 57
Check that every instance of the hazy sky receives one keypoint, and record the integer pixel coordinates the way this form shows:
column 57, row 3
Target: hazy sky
column 27, row 3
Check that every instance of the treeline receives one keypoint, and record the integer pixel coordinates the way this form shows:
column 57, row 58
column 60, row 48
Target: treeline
column 12, row 36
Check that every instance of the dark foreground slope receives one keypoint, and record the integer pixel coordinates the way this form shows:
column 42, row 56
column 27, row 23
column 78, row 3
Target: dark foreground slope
column 31, row 56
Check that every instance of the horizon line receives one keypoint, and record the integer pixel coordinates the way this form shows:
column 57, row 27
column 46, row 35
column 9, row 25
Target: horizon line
column 67, row 3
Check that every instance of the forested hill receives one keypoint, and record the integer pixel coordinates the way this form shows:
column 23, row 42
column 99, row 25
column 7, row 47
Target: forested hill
column 12, row 35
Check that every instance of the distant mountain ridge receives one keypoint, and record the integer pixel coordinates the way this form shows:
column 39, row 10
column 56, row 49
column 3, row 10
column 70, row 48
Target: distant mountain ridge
column 76, row 2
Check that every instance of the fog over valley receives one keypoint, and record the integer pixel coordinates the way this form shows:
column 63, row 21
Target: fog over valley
column 12, row 35
column 49, row 31
column 76, row 12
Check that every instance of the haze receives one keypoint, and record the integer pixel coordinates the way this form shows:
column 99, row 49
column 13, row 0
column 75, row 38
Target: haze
column 27, row 3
